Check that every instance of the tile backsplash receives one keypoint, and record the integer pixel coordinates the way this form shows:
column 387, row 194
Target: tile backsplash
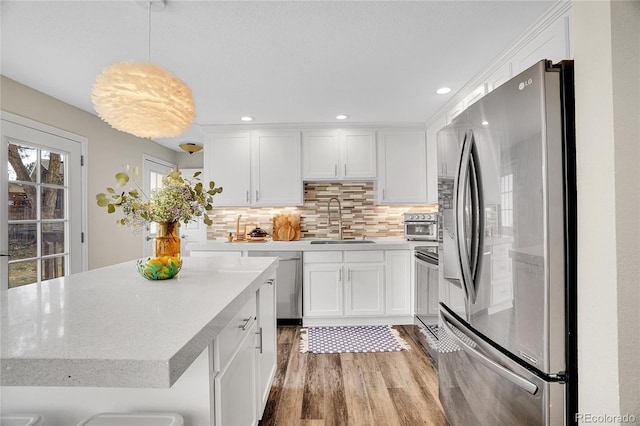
column 360, row 217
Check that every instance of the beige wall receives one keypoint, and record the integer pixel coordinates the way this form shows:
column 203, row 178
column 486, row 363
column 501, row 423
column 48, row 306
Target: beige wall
column 625, row 23
column 607, row 95
column 108, row 150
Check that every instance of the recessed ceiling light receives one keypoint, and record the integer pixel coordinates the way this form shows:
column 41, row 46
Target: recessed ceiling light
column 485, row 122
column 246, row 118
column 342, row 116
column 443, row 91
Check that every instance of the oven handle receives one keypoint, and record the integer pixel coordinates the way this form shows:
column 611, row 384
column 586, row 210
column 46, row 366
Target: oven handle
column 424, row 261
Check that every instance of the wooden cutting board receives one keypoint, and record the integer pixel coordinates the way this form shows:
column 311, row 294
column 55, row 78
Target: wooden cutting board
column 286, row 227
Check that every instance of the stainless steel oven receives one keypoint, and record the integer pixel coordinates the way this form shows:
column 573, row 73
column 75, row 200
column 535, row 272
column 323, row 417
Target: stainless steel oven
column 426, row 301
column 421, row 226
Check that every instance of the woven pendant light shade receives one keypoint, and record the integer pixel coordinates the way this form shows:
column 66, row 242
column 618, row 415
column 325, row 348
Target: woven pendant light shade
column 143, row 99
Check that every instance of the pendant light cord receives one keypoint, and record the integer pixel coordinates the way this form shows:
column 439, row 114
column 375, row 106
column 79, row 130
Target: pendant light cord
column 149, row 38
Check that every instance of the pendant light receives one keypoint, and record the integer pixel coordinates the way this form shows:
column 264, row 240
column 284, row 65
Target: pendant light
column 142, row 98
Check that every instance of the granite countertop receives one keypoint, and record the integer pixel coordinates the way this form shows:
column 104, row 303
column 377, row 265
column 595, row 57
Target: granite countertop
column 110, row 327
column 305, row 245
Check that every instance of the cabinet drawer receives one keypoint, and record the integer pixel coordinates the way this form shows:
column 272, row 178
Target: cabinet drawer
column 323, row 256
column 364, row 256
column 231, row 336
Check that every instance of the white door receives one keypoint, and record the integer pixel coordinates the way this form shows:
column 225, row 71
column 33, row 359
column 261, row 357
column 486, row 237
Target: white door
column 41, row 221
column 153, row 169
column 196, row 230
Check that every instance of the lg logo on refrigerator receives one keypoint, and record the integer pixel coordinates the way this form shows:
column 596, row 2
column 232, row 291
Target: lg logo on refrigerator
column 525, row 83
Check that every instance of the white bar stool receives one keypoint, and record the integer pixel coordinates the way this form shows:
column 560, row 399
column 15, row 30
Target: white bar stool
column 21, row 420
column 134, row 419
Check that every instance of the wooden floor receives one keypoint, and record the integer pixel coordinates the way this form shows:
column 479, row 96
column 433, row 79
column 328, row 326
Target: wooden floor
column 394, row 388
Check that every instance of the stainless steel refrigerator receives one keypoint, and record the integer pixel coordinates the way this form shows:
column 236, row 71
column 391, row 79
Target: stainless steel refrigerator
column 507, row 347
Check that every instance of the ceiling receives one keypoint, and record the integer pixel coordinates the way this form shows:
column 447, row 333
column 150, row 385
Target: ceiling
column 280, row 62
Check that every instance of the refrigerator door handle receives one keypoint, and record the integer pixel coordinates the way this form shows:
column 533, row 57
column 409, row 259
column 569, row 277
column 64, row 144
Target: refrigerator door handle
column 503, row 372
column 468, row 175
column 459, row 213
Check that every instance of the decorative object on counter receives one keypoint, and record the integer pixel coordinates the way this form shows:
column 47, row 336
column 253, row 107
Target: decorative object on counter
column 159, row 267
column 178, row 200
column 332, row 340
column 142, row 98
column 257, row 234
column 286, row 227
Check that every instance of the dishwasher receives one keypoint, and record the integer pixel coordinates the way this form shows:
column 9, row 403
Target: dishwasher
column 288, row 285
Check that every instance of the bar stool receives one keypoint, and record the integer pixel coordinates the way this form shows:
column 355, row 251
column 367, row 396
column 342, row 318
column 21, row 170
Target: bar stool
column 21, row 420
column 133, row 419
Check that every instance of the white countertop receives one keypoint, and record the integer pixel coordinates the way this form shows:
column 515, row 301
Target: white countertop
column 110, row 327
column 305, row 245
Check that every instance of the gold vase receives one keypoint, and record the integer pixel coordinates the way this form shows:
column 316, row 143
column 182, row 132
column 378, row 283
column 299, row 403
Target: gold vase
column 167, row 241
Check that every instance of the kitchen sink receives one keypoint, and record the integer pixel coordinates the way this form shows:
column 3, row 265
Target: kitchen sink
column 342, row 242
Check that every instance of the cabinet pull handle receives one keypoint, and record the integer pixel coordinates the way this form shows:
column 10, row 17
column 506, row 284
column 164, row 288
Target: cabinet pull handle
column 259, row 333
column 335, row 170
column 247, row 195
column 257, row 197
column 349, row 275
column 340, row 275
column 270, row 281
column 345, row 169
column 247, row 322
column 383, row 195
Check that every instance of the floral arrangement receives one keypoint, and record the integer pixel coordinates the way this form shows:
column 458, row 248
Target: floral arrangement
column 178, row 200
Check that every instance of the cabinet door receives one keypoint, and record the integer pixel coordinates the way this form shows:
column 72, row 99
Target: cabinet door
column 448, row 145
column 322, row 290
column 235, row 386
column 227, row 162
column 398, row 282
column 277, row 177
column 364, row 289
column 403, row 167
column 321, row 157
column 266, row 346
column 359, row 154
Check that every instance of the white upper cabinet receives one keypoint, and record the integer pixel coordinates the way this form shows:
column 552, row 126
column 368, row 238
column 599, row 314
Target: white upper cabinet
column 402, row 176
column 321, row 155
column 277, row 178
column 255, row 168
column 227, row 162
column 348, row 154
column 359, row 154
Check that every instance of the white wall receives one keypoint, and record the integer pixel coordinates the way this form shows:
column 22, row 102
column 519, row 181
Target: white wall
column 108, row 151
column 607, row 91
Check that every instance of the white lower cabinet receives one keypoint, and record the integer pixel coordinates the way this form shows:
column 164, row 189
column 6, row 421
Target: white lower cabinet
column 343, row 287
column 322, row 290
column 244, row 361
column 267, row 343
column 399, row 285
column 234, row 386
column 364, row 289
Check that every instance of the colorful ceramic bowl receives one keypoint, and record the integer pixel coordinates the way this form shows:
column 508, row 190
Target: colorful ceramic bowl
column 159, row 268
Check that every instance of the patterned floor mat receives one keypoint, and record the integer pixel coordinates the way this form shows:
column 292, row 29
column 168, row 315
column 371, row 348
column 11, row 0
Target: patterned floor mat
column 331, row 340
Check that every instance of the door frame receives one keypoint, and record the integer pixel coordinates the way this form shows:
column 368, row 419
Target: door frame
column 83, row 141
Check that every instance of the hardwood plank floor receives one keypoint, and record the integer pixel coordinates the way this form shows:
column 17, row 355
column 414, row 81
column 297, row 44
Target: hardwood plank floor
column 393, row 388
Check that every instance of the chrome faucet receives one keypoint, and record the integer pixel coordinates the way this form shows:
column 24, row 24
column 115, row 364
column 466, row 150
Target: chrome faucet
column 339, row 215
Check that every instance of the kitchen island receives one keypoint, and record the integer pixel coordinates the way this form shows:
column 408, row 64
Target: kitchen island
column 110, row 340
